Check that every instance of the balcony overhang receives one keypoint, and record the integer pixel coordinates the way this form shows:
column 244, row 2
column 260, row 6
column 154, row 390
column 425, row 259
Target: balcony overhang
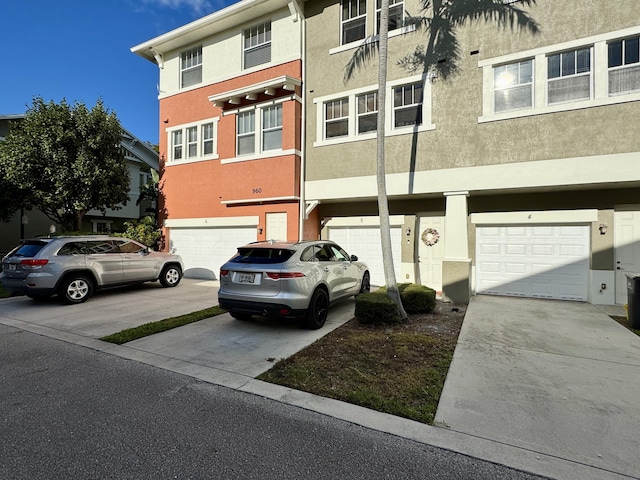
column 255, row 91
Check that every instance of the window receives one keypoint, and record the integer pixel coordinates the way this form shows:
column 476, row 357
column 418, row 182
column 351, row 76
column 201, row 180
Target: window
column 192, row 142
column 272, row 128
column 354, row 20
column 513, row 86
column 337, row 118
column 407, row 105
column 207, row 139
column 367, row 112
column 177, row 144
column 396, row 14
column 246, row 133
column 624, row 66
column 569, row 76
column 257, row 45
column 191, row 67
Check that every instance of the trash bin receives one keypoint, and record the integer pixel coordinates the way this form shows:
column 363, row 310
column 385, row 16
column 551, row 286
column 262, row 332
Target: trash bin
column 633, row 299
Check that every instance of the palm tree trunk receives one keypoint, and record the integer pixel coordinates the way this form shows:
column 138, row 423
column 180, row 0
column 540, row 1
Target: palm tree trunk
column 383, row 203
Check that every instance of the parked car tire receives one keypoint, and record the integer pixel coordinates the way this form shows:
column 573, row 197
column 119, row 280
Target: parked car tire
column 76, row 289
column 365, row 286
column 240, row 316
column 317, row 312
column 170, row 276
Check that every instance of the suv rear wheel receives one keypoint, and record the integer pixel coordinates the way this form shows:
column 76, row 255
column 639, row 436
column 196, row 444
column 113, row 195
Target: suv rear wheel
column 170, row 276
column 317, row 311
column 76, row 288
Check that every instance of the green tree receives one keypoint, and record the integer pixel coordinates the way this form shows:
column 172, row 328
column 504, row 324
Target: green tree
column 67, row 159
column 439, row 21
column 12, row 198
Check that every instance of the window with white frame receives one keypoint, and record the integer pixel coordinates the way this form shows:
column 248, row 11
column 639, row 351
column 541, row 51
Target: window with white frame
column 336, row 120
column 354, row 20
column 272, row 127
column 407, row 105
column 207, row 139
column 396, row 14
column 246, row 133
column 569, row 76
column 257, row 45
column 193, row 142
column 176, row 145
column 513, row 86
column 191, row 67
column 624, row 66
column 367, row 115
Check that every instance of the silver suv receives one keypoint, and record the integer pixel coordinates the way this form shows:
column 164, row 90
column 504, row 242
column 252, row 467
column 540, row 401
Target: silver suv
column 291, row 280
column 73, row 267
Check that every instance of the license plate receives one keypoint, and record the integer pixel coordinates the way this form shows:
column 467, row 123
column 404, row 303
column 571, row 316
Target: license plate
column 12, row 267
column 246, row 277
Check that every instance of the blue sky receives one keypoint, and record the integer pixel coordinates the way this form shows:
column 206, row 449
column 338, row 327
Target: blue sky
column 80, row 50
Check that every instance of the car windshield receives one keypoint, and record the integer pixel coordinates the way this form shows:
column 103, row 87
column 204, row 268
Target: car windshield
column 262, row 255
column 29, row 249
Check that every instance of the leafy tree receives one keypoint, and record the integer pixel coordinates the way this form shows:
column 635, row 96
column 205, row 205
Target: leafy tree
column 68, row 160
column 151, row 192
column 439, row 56
column 12, row 197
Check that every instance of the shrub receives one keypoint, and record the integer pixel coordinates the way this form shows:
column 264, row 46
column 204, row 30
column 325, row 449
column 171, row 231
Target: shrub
column 418, row 298
column 376, row 308
column 143, row 230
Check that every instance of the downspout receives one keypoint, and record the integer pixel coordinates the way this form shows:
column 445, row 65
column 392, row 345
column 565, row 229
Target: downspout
column 303, row 135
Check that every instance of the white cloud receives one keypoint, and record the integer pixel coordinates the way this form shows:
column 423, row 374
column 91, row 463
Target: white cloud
column 199, row 7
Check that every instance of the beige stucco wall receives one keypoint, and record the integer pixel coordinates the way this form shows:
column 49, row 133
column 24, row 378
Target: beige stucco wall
column 459, row 140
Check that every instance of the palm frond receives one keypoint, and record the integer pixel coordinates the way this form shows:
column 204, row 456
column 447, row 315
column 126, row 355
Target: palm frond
column 361, row 57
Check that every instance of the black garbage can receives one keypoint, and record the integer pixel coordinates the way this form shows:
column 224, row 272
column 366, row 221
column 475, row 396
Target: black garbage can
column 633, row 299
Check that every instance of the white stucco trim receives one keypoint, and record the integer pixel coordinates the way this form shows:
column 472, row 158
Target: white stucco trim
column 211, row 222
column 585, row 171
column 394, row 220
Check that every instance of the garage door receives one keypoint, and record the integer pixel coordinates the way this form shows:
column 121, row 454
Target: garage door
column 365, row 243
column 533, row 261
column 203, row 250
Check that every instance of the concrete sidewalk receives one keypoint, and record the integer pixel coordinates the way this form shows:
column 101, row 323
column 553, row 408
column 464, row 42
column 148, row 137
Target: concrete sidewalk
column 560, row 379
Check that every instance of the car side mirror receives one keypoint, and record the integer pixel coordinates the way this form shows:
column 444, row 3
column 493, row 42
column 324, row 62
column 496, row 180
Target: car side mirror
column 354, row 258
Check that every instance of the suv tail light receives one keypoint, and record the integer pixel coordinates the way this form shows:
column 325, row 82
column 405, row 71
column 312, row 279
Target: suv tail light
column 34, row 262
column 280, row 275
column 224, row 273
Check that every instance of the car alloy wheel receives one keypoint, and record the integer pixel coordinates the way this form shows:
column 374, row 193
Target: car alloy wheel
column 318, row 308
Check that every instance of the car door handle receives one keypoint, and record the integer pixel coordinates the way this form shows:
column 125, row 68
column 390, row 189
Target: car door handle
column 326, row 269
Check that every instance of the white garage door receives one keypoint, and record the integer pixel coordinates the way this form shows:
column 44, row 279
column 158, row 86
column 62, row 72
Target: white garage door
column 204, row 250
column 533, row 261
column 365, row 243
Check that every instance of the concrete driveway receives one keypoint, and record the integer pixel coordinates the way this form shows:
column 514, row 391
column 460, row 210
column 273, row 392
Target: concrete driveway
column 232, row 351
column 555, row 378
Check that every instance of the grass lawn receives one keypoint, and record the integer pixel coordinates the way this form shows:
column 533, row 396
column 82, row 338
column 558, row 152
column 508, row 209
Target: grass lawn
column 397, row 369
column 3, row 293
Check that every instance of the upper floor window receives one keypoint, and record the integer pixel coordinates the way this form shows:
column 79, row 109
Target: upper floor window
column 265, row 120
column 191, row 67
column 624, row 66
column 396, row 14
column 354, row 20
column 513, row 86
column 337, row 118
column 407, row 105
column 193, row 142
column 569, row 76
column 257, row 45
column 367, row 112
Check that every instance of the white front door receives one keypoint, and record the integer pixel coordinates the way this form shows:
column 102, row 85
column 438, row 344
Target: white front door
column 430, row 238
column 277, row 226
column 627, row 250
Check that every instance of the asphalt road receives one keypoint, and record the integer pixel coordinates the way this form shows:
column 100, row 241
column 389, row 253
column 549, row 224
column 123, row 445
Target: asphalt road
column 70, row 412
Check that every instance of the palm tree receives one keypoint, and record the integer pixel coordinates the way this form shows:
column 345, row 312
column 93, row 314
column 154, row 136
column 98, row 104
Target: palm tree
column 440, row 20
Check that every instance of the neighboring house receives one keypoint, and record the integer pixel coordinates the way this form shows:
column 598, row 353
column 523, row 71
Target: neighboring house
column 518, row 176
column 230, row 130
column 140, row 157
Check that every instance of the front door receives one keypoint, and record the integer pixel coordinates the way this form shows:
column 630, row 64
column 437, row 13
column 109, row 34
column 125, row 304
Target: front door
column 277, row 226
column 627, row 250
column 430, row 239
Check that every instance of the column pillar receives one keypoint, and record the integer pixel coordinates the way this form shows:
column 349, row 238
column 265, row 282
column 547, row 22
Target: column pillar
column 456, row 264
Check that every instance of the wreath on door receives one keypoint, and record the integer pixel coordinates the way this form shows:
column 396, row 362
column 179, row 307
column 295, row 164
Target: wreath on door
column 430, row 237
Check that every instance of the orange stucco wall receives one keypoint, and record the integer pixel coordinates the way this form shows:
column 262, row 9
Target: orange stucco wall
column 198, row 189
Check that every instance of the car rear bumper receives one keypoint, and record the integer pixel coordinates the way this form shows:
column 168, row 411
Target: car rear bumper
column 25, row 286
column 261, row 308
